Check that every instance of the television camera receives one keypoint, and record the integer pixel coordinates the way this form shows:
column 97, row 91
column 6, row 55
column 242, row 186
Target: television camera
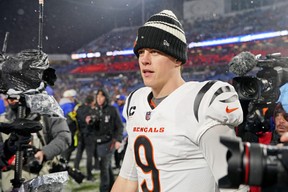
column 255, row 165
column 251, row 163
column 263, row 87
column 258, row 92
column 24, row 77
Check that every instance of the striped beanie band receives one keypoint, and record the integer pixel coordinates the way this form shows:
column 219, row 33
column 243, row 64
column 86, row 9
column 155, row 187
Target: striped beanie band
column 165, row 33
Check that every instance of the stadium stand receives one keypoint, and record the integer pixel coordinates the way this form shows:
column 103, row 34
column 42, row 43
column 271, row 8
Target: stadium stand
column 118, row 73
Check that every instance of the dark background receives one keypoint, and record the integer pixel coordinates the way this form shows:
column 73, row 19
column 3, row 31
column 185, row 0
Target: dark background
column 68, row 24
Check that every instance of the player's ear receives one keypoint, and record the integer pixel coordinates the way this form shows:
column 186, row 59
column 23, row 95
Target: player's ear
column 178, row 63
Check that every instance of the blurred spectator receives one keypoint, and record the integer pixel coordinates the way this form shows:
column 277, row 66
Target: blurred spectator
column 119, row 154
column 283, row 97
column 2, row 106
column 107, row 127
column 281, row 123
column 68, row 103
column 86, row 138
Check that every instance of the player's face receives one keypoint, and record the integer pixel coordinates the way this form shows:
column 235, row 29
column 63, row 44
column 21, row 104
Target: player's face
column 157, row 69
column 281, row 124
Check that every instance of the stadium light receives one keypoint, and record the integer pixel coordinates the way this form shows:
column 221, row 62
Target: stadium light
column 222, row 41
column 78, row 56
column 124, row 52
column 238, row 39
column 91, row 55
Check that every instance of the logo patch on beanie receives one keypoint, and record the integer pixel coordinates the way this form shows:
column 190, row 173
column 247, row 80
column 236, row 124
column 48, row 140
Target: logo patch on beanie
column 135, row 42
column 165, row 43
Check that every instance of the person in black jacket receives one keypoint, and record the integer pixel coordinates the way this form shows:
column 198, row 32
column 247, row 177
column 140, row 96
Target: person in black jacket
column 107, row 127
column 86, row 139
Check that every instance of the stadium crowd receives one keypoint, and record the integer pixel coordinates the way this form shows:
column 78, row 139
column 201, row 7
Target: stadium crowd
column 120, row 76
column 243, row 23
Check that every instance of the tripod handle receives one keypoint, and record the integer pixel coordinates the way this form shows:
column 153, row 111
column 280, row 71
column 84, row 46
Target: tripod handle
column 18, row 180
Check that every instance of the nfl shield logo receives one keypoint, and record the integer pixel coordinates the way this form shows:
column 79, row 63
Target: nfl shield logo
column 148, row 115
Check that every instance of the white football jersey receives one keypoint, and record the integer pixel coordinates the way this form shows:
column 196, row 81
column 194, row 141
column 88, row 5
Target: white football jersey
column 164, row 142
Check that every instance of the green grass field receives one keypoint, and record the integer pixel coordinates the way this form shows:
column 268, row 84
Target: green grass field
column 87, row 186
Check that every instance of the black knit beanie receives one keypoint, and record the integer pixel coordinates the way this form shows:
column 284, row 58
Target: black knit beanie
column 165, row 33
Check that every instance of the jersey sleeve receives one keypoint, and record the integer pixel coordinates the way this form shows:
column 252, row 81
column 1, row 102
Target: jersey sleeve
column 219, row 105
column 215, row 153
column 225, row 106
column 127, row 105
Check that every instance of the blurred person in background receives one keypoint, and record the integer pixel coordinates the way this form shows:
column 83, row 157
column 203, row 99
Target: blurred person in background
column 119, row 154
column 86, row 137
column 281, row 124
column 280, row 116
column 68, row 101
column 68, row 104
column 106, row 124
column 2, row 105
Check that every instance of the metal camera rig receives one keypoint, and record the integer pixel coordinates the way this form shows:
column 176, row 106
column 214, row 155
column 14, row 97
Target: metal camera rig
column 24, row 77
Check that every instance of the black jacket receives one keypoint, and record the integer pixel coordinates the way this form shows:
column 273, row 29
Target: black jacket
column 106, row 122
column 82, row 112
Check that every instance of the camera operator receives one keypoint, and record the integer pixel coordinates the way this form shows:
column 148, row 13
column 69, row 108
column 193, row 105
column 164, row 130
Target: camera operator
column 86, row 141
column 8, row 148
column 284, row 103
column 107, row 127
column 47, row 143
column 281, row 124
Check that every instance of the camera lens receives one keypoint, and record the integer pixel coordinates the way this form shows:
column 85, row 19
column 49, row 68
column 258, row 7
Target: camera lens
column 249, row 89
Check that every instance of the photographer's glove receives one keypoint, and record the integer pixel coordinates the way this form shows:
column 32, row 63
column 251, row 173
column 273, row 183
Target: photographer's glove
column 12, row 143
column 21, row 127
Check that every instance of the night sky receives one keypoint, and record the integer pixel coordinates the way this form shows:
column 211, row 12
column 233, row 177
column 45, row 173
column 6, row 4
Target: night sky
column 68, row 24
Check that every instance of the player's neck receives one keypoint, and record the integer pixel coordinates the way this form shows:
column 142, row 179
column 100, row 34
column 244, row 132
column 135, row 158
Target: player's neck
column 155, row 101
column 167, row 88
